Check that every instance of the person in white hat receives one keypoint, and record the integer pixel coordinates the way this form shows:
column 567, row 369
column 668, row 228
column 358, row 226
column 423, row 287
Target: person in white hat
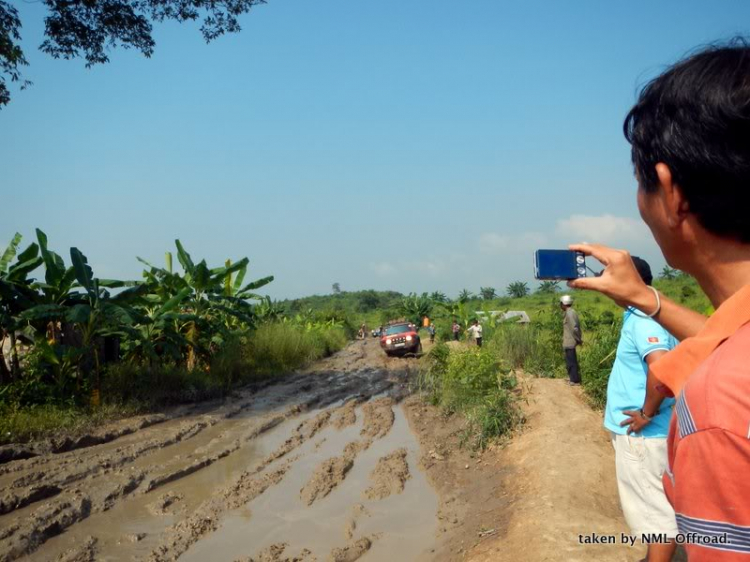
column 572, row 338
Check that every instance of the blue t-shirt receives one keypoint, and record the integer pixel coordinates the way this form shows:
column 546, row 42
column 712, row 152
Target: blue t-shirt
column 626, row 389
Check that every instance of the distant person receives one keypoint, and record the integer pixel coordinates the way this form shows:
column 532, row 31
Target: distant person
column 362, row 331
column 639, row 427
column 456, row 329
column 689, row 134
column 572, row 338
column 431, row 330
column 475, row 331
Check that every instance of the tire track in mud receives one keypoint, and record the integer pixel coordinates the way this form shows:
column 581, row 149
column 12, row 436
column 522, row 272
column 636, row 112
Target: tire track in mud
column 378, row 420
column 44, row 495
column 389, row 476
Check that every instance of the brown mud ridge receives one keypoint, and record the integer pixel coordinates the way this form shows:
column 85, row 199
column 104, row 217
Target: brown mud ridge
column 162, row 486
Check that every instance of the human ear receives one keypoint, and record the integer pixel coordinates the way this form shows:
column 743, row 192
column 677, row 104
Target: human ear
column 674, row 202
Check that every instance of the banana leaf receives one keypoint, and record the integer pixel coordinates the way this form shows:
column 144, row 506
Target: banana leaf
column 10, row 252
column 19, row 270
column 44, row 312
column 83, row 272
column 255, row 285
column 53, row 263
column 184, row 258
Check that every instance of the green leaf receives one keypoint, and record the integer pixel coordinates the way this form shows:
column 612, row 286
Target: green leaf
column 83, row 272
column 10, row 252
column 29, row 253
column 153, row 267
column 256, row 284
column 53, row 264
column 116, row 283
column 172, row 303
column 228, row 280
column 168, row 260
column 78, row 314
column 239, row 279
column 18, row 271
column 44, row 312
column 184, row 258
column 201, row 277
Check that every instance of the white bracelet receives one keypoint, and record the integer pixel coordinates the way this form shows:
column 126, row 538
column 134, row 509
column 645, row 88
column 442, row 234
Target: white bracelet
column 658, row 305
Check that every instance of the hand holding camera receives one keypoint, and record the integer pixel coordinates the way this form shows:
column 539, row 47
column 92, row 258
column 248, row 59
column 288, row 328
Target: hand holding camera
column 619, row 280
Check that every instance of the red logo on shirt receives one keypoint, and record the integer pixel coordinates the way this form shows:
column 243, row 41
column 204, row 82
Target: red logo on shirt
column 653, row 340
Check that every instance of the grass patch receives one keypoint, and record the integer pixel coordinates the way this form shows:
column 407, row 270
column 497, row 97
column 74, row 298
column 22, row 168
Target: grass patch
column 281, row 347
column 29, row 423
column 475, row 383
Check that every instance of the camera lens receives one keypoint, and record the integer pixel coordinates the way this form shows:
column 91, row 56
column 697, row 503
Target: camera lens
column 579, row 259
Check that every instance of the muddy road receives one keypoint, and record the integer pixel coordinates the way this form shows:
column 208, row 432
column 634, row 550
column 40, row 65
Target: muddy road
column 319, row 466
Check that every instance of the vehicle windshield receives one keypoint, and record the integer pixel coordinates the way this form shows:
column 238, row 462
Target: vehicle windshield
column 399, row 329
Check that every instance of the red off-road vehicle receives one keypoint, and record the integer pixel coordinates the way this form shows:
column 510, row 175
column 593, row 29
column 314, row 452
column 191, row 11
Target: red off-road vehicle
column 400, row 338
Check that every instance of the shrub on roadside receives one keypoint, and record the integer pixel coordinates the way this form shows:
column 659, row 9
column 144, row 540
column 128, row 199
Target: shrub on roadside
column 280, row 347
column 529, row 347
column 159, row 385
column 22, row 424
column 476, row 384
column 596, row 358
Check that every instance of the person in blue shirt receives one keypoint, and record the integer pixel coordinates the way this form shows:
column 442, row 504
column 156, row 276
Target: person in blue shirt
column 639, row 428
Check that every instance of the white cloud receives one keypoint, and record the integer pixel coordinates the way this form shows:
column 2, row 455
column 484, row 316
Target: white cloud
column 383, row 268
column 494, row 243
column 604, row 229
column 428, row 267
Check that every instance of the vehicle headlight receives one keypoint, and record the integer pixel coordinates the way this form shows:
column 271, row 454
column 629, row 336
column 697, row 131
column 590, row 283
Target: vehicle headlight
column 389, row 341
column 408, row 338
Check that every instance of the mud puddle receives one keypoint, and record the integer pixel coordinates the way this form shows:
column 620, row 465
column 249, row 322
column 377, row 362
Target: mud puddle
column 400, row 526
column 132, row 529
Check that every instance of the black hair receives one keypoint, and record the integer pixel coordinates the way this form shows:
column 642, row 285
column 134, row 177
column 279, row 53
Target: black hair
column 644, row 270
column 695, row 118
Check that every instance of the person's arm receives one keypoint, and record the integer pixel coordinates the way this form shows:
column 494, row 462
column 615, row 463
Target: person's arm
column 621, row 282
column 652, row 402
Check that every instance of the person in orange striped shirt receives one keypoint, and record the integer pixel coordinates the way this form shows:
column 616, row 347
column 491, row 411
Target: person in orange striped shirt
column 690, row 139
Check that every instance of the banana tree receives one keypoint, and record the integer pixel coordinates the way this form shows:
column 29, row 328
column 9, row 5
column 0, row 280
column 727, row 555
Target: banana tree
column 97, row 313
column 16, row 295
column 213, row 295
column 457, row 311
column 268, row 311
column 50, row 307
column 465, row 295
column 415, row 307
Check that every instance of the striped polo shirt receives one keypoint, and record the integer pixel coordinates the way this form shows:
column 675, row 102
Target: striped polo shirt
column 708, row 476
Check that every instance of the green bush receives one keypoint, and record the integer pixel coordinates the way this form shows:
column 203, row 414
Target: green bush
column 152, row 386
column 280, row 347
column 475, row 383
column 596, row 358
column 22, row 424
column 535, row 347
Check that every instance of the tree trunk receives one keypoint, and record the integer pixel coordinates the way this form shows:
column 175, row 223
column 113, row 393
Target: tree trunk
column 14, row 366
column 5, row 377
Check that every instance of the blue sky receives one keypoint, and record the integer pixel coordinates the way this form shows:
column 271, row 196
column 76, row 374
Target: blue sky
column 406, row 145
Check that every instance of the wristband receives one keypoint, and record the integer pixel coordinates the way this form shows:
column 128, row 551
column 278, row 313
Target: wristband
column 644, row 416
column 658, row 305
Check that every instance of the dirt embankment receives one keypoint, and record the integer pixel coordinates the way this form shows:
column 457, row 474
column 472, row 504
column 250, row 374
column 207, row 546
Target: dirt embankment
column 530, row 498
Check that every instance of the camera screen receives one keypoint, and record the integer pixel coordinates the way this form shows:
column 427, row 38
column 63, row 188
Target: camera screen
column 557, row 264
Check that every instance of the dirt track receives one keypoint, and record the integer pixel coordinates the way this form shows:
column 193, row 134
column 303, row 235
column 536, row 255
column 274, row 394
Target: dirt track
column 328, row 464
column 311, row 468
